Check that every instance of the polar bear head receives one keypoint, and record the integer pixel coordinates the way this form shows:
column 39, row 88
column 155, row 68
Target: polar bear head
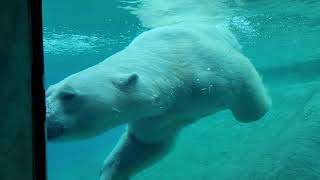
column 94, row 100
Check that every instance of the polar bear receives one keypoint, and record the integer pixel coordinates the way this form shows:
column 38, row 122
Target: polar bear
column 167, row 78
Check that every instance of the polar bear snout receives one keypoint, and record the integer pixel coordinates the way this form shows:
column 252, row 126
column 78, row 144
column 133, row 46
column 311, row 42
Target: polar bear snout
column 55, row 129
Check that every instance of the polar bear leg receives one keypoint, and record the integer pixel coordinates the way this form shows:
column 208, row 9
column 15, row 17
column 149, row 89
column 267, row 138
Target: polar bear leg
column 132, row 155
column 251, row 100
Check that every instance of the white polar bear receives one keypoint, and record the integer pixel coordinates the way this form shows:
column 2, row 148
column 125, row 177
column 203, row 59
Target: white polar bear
column 165, row 79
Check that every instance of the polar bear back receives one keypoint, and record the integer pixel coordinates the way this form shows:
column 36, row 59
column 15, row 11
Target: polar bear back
column 204, row 64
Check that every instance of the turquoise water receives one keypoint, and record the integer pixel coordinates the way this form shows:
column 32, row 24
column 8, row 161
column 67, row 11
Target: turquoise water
column 282, row 40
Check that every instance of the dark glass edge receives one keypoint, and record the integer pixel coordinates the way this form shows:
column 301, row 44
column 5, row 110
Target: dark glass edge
column 38, row 92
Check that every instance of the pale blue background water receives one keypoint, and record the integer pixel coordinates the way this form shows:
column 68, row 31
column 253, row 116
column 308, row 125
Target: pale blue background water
column 281, row 38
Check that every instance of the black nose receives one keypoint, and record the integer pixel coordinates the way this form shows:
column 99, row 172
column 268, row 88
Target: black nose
column 54, row 129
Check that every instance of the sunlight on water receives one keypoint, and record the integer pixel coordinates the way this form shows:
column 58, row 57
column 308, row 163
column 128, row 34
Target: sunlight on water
column 74, row 44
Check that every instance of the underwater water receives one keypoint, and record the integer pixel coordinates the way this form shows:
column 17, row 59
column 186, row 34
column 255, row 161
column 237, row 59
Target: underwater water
column 281, row 38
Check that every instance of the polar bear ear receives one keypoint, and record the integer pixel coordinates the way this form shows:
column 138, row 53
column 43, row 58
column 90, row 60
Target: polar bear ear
column 126, row 82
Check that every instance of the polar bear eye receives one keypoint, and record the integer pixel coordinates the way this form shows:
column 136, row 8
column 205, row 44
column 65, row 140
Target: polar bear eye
column 67, row 96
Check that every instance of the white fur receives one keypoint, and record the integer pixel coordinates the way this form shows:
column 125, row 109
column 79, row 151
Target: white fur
column 185, row 72
column 167, row 78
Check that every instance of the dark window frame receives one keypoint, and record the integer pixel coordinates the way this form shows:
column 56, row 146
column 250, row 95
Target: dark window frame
column 38, row 92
